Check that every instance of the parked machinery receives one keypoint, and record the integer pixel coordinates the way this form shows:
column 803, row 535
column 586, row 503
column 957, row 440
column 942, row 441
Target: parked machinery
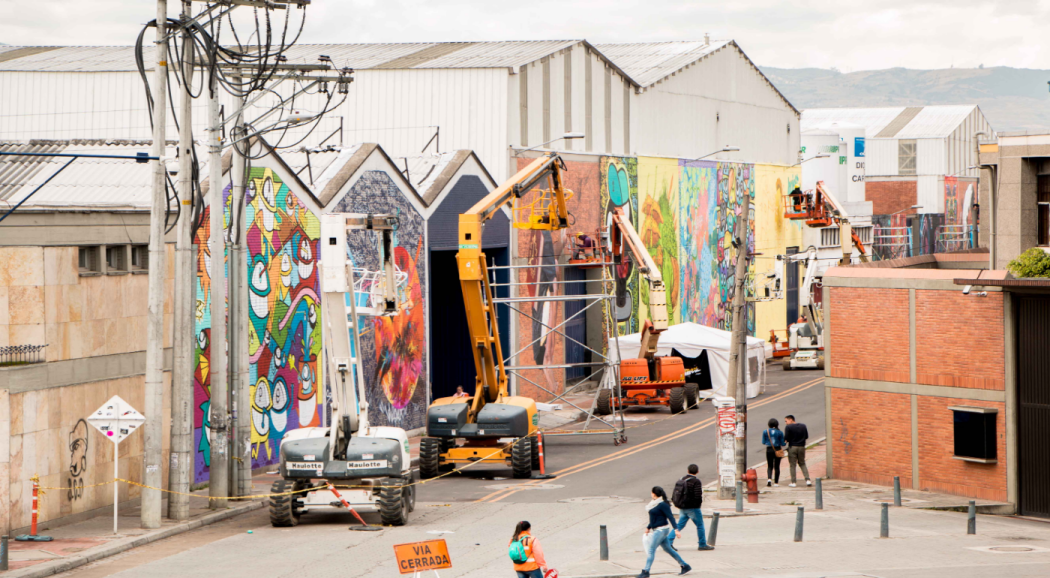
column 462, row 431
column 371, row 463
column 805, row 343
column 650, row 379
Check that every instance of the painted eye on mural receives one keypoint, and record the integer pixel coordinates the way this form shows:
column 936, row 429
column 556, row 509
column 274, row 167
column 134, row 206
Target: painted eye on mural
column 312, row 314
column 305, row 256
column 260, row 287
column 278, row 358
column 202, row 340
column 306, row 380
column 286, row 270
column 261, row 407
column 267, row 339
column 268, row 194
column 262, row 394
column 279, row 413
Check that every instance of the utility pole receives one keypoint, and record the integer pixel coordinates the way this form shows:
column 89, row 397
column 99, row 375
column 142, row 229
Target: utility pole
column 181, row 465
column 239, row 309
column 218, row 408
column 154, row 382
column 737, row 385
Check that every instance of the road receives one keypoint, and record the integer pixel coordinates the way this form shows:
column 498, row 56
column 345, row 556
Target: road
column 475, row 511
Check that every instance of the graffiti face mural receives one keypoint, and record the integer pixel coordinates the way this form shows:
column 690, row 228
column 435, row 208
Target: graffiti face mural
column 619, row 190
column 284, row 335
column 393, row 348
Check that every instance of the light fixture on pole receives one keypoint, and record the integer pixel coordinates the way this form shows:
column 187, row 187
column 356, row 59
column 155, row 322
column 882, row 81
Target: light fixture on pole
column 725, row 149
column 566, row 136
column 816, row 156
column 915, row 207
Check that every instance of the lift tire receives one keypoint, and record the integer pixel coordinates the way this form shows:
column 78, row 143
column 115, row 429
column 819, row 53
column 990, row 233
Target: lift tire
column 677, row 401
column 429, row 458
column 604, row 404
column 786, row 364
column 394, row 502
column 521, row 458
column 692, row 395
column 820, row 362
column 284, row 511
column 534, row 441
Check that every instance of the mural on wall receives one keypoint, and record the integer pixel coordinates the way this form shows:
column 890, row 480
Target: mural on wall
column 78, row 453
column 619, row 190
column 958, row 214
column 773, row 235
column 284, row 313
column 393, row 348
column 891, row 236
column 658, row 226
column 710, row 195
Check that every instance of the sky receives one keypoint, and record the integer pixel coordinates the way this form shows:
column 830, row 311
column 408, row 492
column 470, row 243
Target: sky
column 849, row 35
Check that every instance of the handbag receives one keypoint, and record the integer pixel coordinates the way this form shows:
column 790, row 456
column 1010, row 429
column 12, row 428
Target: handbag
column 777, row 452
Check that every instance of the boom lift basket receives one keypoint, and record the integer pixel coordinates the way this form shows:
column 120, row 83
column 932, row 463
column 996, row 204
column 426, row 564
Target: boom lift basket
column 536, row 214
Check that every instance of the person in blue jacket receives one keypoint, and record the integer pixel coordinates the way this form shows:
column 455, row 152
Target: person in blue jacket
column 773, row 439
column 661, row 524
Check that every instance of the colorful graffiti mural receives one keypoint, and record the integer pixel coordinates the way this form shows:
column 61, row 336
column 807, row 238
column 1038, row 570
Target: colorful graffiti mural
column 658, row 225
column 619, row 190
column 394, row 348
column 284, row 333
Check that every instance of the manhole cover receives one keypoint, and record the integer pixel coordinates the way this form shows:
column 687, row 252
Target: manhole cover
column 523, row 487
column 601, row 500
column 1012, row 549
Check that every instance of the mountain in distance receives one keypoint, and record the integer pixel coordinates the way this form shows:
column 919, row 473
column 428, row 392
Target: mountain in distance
column 1011, row 98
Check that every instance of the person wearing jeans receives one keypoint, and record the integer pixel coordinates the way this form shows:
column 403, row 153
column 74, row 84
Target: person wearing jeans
column 796, row 435
column 688, row 497
column 661, row 521
column 773, row 439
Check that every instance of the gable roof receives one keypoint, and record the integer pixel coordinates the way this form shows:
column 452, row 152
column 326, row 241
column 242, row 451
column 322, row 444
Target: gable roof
column 894, row 121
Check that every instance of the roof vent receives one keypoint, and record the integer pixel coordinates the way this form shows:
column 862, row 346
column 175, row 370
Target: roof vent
column 707, row 39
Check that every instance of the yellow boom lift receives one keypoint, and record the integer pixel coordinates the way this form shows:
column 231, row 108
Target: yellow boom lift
column 491, row 414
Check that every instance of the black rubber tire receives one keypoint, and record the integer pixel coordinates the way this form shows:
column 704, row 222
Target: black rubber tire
column 534, row 441
column 429, row 458
column 284, row 511
column 447, row 444
column 394, row 502
column 692, row 395
column 411, row 498
column 604, row 404
column 786, row 364
column 521, row 458
column 677, row 401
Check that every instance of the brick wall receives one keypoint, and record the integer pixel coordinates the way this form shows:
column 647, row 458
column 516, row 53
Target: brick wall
column 959, row 340
column 939, row 471
column 869, row 334
column 871, row 436
column 888, row 197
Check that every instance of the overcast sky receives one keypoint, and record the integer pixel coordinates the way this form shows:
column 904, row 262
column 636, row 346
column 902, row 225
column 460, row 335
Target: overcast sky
column 848, row 34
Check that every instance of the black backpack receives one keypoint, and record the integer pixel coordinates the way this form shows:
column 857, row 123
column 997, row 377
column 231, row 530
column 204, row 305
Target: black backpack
column 680, row 494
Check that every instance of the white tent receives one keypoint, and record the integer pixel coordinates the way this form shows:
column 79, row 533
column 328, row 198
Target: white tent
column 691, row 339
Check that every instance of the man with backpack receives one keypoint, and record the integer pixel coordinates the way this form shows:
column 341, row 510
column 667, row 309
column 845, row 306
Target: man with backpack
column 687, row 497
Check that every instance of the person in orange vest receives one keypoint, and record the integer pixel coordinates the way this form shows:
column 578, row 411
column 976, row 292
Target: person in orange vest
column 534, row 565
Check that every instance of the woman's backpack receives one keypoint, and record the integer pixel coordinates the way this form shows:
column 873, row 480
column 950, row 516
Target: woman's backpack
column 518, row 553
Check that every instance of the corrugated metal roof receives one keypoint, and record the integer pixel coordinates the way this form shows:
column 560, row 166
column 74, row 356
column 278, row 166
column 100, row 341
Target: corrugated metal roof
column 357, row 56
column 87, row 182
column 930, row 122
column 649, row 62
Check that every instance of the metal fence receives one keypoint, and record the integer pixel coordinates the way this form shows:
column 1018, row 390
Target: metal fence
column 21, row 354
column 955, row 238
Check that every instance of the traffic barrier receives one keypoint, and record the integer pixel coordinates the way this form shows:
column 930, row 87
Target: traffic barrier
column 897, row 491
column 3, row 553
column 820, row 495
column 798, row 523
column 32, row 535
column 884, row 527
column 603, row 543
column 739, row 497
column 971, row 518
column 712, row 534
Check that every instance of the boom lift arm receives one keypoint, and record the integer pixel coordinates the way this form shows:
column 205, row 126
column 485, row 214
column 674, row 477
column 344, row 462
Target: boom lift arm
column 623, row 235
column 820, row 208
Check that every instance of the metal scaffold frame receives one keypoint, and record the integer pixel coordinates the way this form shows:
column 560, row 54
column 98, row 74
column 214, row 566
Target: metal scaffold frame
column 608, row 366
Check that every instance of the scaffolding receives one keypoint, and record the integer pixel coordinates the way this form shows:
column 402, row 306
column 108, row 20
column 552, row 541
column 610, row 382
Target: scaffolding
column 954, row 238
column 607, row 365
column 892, row 242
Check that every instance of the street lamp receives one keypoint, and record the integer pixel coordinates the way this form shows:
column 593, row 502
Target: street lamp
column 816, row 156
column 725, row 149
column 566, row 136
column 908, row 209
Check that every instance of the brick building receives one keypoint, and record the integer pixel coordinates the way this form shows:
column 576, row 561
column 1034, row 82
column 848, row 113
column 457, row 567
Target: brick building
column 950, row 393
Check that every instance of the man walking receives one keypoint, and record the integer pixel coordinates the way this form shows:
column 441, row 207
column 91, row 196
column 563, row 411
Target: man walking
column 796, row 435
column 688, row 496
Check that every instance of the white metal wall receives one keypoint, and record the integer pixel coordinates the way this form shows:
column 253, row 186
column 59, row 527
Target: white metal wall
column 721, row 100
column 961, row 144
column 930, row 156
column 930, row 193
column 881, row 157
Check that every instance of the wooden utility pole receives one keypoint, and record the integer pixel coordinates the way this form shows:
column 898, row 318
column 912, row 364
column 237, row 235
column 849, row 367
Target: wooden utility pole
column 152, row 476
column 737, row 383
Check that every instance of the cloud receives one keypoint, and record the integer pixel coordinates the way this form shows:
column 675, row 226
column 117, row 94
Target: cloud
column 849, row 34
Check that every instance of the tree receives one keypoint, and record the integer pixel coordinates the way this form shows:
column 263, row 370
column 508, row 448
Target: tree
column 1032, row 263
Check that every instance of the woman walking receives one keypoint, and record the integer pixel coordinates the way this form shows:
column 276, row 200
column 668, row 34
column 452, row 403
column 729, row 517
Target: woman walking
column 661, row 524
column 773, row 439
column 526, row 553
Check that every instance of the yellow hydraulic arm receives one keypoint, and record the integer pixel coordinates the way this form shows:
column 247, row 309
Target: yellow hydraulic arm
column 547, row 212
column 624, row 234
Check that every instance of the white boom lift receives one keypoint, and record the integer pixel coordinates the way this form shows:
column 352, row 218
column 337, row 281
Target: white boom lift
column 805, row 339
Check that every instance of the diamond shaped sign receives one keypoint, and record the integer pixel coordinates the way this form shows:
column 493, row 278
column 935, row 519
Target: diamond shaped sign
column 116, row 419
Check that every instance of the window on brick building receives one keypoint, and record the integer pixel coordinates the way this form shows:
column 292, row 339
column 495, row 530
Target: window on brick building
column 975, row 434
column 906, row 163
column 1043, row 209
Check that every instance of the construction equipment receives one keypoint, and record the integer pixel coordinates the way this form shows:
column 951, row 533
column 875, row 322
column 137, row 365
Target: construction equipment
column 819, row 208
column 372, row 464
column 805, row 344
column 651, row 379
column 490, row 414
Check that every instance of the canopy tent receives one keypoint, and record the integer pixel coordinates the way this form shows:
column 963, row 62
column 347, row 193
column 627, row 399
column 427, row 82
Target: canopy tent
column 692, row 339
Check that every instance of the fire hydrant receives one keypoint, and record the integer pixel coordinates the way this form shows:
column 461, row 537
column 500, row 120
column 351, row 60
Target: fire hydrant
column 751, row 478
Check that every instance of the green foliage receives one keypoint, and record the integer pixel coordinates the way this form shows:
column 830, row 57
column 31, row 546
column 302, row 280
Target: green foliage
column 1032, row 263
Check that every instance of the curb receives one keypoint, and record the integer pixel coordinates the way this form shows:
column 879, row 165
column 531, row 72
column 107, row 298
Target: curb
column 624, row 575
column 116, row 547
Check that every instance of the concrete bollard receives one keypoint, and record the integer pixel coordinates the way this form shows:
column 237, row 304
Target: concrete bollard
column 820, row 495
column 739, row 497
column 884, row 527
column 971, row 518
column 798, row 523
column 3, row 553
column 712, row 534
column 603, row 543
column 897, row 491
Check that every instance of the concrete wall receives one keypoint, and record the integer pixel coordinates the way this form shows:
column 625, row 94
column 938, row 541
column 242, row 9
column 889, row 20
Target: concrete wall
column 889, row 391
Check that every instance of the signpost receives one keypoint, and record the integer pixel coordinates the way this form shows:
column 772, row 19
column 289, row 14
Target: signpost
column 116, row 420
column 418, row 557
column 725, row 450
